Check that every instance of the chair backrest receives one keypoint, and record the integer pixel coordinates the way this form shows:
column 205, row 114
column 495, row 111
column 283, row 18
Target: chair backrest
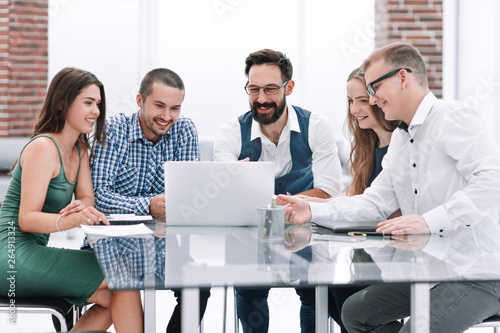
column 9, row 151
column 206, row 145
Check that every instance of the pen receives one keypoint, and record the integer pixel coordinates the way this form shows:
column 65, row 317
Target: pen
column 368, row 233
column 274, row 201
column 268, row 219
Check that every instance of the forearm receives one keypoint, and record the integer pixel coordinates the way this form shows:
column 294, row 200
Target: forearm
column 374, row 207
column 316, row 192
column 312, row 195
column 111, row 202
column 38, row 222
column 87, row 200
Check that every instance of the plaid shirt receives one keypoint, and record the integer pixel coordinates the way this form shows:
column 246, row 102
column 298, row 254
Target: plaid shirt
column 128, row 170
column 127, row 262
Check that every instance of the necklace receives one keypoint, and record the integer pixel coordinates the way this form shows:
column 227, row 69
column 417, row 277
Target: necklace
column 70, row 152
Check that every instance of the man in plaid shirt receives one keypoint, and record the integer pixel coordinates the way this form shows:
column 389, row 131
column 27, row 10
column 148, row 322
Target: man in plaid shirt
column 127, row 172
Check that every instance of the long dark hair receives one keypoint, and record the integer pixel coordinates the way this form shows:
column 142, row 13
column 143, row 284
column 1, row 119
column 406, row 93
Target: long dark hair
column 62, row 92
column 363, row 143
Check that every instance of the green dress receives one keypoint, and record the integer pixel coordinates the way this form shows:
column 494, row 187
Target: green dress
column 28, row 267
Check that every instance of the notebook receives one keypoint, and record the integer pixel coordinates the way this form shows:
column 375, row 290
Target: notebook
column 216, row 193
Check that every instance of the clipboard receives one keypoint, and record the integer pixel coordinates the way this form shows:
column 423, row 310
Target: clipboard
column 361, row 228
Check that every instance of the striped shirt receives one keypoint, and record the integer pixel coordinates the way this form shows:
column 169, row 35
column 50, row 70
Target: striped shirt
column 128, row 170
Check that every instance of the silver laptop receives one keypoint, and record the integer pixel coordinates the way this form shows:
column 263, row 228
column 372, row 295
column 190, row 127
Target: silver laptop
column 216, row 193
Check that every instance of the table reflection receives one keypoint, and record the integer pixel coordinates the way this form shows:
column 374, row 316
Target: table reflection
column 177, row 257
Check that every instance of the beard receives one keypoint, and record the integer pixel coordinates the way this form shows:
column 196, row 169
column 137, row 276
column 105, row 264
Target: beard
column 149, row 123
column 270, row 117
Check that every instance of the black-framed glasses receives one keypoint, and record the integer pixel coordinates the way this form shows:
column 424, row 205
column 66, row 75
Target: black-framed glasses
column 271, row 89
column 369, row 88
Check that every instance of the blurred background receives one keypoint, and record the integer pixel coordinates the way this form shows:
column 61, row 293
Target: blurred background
column 207, row 41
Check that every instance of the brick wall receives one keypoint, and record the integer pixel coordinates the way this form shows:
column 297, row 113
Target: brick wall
column 418, row 22
column 23, row 64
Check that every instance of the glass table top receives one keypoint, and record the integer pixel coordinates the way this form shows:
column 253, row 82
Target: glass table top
column 178, row 257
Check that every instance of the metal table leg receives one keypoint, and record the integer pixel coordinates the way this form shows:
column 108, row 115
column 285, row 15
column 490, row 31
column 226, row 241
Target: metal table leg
column 420, row 307
column 321, row 309
column 189, row 317
column 149, row 310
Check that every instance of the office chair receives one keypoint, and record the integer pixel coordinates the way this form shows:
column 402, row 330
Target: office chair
column 57, row 307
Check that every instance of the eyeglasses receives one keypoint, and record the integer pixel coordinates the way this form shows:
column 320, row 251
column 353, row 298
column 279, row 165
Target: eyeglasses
column 271, row 89
column 369, row 88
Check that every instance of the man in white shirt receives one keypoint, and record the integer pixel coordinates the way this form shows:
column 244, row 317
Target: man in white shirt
column 302, row 146
column 442, row 170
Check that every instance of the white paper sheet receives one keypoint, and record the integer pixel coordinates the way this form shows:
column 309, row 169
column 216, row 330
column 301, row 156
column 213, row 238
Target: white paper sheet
column 117, row 230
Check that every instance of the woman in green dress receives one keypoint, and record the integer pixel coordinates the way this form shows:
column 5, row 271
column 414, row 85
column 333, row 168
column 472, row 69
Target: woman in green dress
column 52, row 168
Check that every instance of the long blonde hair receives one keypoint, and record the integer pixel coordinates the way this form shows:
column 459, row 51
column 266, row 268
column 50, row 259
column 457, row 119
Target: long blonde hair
column 363, row 143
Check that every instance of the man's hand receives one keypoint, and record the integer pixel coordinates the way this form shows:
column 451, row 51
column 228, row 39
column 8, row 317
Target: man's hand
column 157, row 206
column 297, row 210
column 409, row 242
column 405, row 225
column 297, row 237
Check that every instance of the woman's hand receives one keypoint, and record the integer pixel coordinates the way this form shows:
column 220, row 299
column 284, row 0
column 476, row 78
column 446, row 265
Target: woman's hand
column 88, row 216
column 74, row 207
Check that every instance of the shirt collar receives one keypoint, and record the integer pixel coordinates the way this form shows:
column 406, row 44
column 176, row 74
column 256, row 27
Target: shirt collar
column 422, row 112
column 292, row 124
column 402, row 125
column 136, row 133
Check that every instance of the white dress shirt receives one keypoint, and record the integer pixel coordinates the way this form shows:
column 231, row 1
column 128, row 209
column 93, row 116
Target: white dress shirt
column 326, row 167
column 445, row 168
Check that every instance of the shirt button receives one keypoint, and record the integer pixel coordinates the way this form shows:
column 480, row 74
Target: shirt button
column 415, row 191
column 440, row 230
column 411, row 140
column 414, row 165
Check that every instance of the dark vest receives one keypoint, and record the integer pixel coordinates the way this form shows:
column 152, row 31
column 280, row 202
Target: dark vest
column 300, row 178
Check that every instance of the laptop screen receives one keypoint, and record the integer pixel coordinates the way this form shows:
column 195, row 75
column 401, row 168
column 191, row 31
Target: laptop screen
column 216, row 193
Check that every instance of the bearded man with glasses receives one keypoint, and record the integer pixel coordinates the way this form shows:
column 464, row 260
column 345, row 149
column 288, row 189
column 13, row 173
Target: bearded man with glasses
column 302, row 146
